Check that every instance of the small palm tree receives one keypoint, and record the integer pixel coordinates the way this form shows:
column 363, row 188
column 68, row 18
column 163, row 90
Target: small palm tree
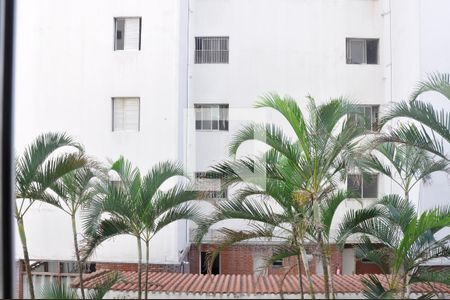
column 406, row 165
column 42, row 163
column 433, row 131
column 138, row 206
column 58, row 290
column 74, row 191
column 320, row 153
column 275, row 212
column 272, row 211
column 408, row 239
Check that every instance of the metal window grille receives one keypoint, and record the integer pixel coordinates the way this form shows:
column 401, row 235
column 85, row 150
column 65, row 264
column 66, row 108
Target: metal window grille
column 369, row 116
column 211, row 50
column 209, row 186
column 211, row 117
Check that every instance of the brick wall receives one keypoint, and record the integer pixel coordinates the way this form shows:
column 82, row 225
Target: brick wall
column 238, row 259
column 171, row 268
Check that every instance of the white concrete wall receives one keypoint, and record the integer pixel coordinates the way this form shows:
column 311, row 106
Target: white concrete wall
column 66, row 75
column 435, row 56
column 290, row 47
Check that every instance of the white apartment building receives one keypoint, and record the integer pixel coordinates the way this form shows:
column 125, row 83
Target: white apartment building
column 174, row 79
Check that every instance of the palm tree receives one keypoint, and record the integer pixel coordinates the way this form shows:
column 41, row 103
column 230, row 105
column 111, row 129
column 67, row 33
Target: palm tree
column 138, row 206
column 433, row 131
column 406, row 165
column 74, row 191
column 58, row 290
column 37, row 169
column 273, row 210
column 270, row 209
column 318, row 155
column 408, row 242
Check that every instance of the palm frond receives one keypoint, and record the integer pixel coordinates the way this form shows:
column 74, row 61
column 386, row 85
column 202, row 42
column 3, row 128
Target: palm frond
column 410, row 134
column 185, row 211
column 269, row 134
column 290, row 110
column 101, row 290
column 57, row 290
column 374, row 289
column 329, row 206
column 106, row 230
column 28, row 164
column 435, row 82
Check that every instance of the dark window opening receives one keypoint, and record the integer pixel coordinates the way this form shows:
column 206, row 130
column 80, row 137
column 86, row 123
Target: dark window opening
column 215, row 270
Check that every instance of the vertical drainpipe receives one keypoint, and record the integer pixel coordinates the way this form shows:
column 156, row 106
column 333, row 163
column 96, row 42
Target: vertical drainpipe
column 187, row 92
column 184, row 19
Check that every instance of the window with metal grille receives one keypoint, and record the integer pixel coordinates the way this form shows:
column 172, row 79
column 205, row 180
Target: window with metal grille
column 209, row 186
column 127, row 33
column 362, row 51
column 211, row 50
column 363, row 186
column 368, row 117
column 125, row 114
column 211, row 117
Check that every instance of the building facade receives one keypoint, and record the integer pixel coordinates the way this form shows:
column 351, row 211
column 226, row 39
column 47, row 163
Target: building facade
column 175, row 79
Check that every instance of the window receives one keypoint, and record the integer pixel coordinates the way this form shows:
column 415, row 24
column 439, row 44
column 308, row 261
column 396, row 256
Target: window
column 204, row 264
column 363, row 187
column 211, row 117
column 127, row 34
column 368, row 116
column 211, row 50
column 125, row 114
column 209, row 185
column 277, row 263
column 362, row 51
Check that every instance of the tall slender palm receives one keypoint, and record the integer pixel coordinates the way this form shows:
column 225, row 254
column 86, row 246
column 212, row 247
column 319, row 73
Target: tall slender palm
column 321, row 151
column 403, row 164
column 42, row 163
column 139, row 207
column 408, row 239
column 433, row 131
column 74, row 191
column 273, row 209
column 270, row 208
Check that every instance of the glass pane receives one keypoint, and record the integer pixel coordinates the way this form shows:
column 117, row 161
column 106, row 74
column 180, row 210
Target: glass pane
column 372, row 51
column 354, row 185
column 198, row 118
column 370, row 188
column 120, row 31
column 367, row 117
column 206, row 118
column 356, row 51
column 375, row 117
column 223, row 117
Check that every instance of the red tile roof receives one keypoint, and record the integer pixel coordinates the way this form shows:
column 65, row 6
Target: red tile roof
column 237, row 284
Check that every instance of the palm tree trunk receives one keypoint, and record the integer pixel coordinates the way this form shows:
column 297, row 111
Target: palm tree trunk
column 139, row 268
column 26, row 257
column 146, row 268
column 330, row 276
column 300, row 279
column 307, row 272
column 77, row 253
column 320, row 243
column 326, row 275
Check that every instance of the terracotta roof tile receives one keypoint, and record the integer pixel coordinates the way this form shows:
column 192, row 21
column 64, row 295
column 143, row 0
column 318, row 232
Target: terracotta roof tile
column 236, row 284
